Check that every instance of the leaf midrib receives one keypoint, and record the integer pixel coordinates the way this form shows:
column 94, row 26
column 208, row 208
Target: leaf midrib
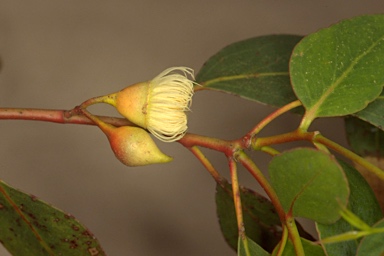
column 331, row 88
column 302, row 190
column 24, row 218
column 241, row 77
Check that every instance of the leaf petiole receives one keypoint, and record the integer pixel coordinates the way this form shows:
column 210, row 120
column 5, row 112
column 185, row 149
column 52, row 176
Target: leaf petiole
column 263, row 123
column 207, row 164
column 283, row 241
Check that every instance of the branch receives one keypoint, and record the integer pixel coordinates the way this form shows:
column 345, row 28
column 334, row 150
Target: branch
column 73, row 116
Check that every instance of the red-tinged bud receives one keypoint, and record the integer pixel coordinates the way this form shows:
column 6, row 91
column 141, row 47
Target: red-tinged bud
column 133, row 146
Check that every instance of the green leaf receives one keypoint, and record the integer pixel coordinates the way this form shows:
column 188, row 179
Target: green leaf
column 254, row 248
column 255, row 69
column 309, row 247
column 373, row 114
column 372, row 244
column 339, row 70
column 362, row 202
column 261, row 221
column 29, row 226
column 364, row 138
column 368, row 141
column 307, row 180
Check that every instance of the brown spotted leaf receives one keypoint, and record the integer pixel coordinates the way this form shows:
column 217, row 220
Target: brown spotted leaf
column 29, row 226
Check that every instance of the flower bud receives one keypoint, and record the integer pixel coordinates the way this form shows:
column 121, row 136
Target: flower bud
column 133, row 146
column 158, row 105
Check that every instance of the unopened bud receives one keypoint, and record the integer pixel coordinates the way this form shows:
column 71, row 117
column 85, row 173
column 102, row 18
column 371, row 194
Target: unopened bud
column 133, row 146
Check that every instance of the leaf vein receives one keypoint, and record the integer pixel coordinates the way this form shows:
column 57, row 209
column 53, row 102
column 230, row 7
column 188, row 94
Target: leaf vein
column 24, row 218
column 332, row 87
column 240, row 77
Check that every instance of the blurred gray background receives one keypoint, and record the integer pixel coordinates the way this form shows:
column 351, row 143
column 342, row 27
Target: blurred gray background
column 56, row 54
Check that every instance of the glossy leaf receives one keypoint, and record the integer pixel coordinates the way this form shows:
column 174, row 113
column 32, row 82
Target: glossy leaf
column 254, row 248
column 307, row 180
column 373, row 114
column 339, row 70
column 309, row 248
column 364, row 138
column 372, row 244
column 261, row 222
column 362, row 202
column 31, row 227
column 255, row 69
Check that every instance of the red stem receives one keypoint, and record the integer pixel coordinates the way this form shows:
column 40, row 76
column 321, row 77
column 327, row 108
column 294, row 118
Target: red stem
column 73, row 116
column 76, row 116
column 258, row 143
column 227, row 147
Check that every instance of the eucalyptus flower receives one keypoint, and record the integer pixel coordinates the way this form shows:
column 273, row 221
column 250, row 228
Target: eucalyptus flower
column 159, row 105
